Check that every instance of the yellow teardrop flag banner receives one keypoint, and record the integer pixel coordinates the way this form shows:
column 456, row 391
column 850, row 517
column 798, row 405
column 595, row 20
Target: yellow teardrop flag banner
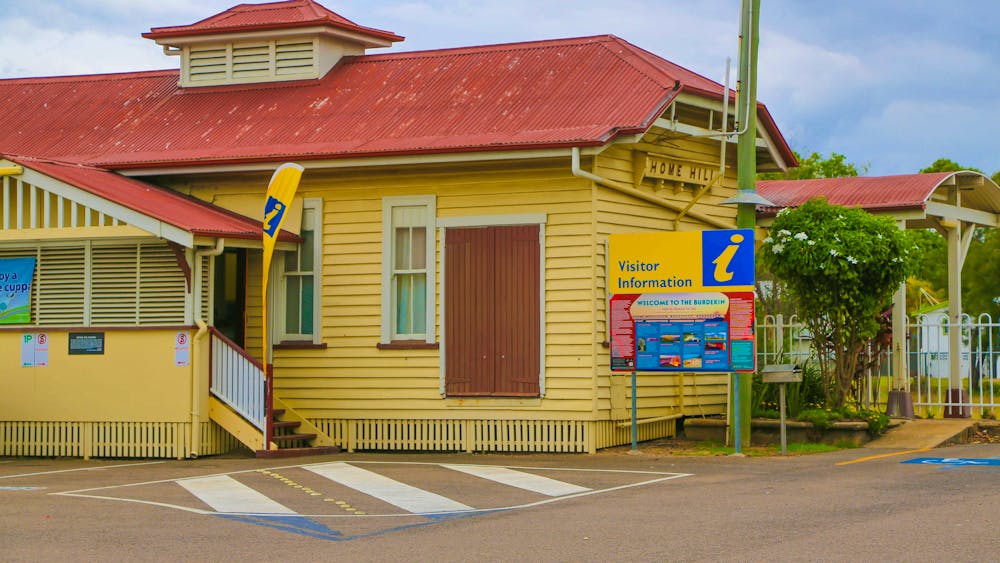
column 280, row 192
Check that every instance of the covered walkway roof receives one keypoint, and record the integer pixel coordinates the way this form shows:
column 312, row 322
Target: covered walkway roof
column 953, row 203
column 921, row 200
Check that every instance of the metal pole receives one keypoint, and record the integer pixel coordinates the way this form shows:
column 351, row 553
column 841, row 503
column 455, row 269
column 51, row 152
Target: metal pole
column 781, row 405
column 635, row 424
column 737, row 427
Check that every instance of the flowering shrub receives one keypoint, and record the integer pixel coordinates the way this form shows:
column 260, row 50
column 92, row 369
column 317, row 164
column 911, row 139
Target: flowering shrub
column 840, row 266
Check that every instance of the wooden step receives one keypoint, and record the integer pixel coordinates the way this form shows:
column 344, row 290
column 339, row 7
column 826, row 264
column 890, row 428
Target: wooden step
column 285, row 424
column 297, row 452
column 293, row 437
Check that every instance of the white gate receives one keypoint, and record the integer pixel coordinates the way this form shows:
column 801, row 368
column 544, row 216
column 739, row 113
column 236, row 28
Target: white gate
column 929, row 367
column 785, row 340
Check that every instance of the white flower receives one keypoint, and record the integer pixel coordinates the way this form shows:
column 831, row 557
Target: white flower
column 785, row 233
column 768, row 240
column 852, row 259
column 777, row 248
column 801, row 236
column 811, row 242
column 833, row 252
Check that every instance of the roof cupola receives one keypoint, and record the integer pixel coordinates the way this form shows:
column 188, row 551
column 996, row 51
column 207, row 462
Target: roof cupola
column 276, row 41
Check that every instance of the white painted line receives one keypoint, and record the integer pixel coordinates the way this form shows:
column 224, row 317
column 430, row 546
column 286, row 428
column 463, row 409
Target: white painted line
column 520, row 479
column 80, row 469
column 404, row 496
column 225, row 494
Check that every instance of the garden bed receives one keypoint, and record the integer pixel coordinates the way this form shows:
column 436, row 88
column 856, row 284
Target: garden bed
column 765, row 431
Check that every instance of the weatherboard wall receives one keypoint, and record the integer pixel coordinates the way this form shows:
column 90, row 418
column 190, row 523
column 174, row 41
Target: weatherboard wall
column 351, row 378
column 659, row 394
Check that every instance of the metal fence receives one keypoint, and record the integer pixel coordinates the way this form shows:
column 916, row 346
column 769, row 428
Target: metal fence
column 783, row 339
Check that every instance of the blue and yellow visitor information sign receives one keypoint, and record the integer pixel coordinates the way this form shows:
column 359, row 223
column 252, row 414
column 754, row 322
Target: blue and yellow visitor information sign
column 682, row 301
column 681, row 261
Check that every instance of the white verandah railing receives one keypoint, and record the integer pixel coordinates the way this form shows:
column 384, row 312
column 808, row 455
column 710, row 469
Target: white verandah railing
column 785, row 340
column 237, row 379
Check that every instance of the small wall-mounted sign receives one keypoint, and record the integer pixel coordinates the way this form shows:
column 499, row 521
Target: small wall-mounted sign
column 34, row 350
column 182, row 349
column 86, row 343
column 662, row 168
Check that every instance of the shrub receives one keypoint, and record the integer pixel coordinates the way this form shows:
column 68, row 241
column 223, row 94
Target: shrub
column 841, row 267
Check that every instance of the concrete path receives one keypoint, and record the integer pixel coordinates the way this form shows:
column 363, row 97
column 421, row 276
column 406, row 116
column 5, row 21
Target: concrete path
column 919, row 433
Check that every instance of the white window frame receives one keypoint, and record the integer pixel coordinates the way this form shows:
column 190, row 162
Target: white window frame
column 388, row 332
column 279, row 280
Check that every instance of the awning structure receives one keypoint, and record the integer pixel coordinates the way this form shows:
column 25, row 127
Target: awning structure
column 47, row 194
column 953, row 203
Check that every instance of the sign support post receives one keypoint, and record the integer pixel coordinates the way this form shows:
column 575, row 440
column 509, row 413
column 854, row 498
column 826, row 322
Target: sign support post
column 635, row 420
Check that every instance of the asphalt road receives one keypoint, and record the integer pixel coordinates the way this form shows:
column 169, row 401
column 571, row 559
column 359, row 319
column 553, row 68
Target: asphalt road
column 841, row 506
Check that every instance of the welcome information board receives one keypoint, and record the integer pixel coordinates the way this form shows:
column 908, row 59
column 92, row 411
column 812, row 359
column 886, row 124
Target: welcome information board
column 682, row 301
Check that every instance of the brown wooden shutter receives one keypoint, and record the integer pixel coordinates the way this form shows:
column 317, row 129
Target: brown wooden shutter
column 492, row 345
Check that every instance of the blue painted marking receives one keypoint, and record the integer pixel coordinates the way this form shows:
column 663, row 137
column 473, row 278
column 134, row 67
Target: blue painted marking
column 955, row 461
column 308, row 527
column 295, row 524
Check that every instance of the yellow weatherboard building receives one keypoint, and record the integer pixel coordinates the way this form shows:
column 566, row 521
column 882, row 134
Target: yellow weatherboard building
column 441, row 280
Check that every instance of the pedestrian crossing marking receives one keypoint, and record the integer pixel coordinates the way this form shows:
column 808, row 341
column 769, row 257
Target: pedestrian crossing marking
column 520, row 479
column 398, row 494
column 227, row 495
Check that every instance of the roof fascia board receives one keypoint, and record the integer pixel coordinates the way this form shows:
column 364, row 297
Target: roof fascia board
column 897, row 215
column 765, row 137
column 254, row 243
column 764, row 141
column 129, row 216
column 74, row 233
column 277, row 33
column 976, row 216
column 402, row 160
column 700, row 101
column 696, row 131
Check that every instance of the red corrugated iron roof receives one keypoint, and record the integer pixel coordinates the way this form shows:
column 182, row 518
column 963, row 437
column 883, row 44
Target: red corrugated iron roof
column 906, row 191
column 269, row 16
column 192, row 215
column 543, row 94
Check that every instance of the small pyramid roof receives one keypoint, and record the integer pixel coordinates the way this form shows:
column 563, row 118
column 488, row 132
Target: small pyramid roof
column 270, row 16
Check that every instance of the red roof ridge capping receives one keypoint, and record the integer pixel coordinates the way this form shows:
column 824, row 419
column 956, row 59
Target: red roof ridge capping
column 85, row 78
column 268, row 16
column 182, row 211
column 899, row 191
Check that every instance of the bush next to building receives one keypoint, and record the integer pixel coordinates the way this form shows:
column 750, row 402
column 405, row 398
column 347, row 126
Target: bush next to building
column 841, row 267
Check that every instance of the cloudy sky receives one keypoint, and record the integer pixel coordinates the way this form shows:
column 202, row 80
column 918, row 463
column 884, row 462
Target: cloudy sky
column 891, row 84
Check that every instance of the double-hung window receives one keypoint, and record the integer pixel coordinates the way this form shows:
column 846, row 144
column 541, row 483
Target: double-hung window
column 300, row 278
column 408, row 269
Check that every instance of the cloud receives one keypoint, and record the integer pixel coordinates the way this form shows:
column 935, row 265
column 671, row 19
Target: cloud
column 910, row 134
column 28, row 50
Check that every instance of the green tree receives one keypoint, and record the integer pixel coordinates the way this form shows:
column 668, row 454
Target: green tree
column 996, row 177
column 980, row 293
column 946, row 165
column 841, row 267
column 930, row 261
column 816, row 166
